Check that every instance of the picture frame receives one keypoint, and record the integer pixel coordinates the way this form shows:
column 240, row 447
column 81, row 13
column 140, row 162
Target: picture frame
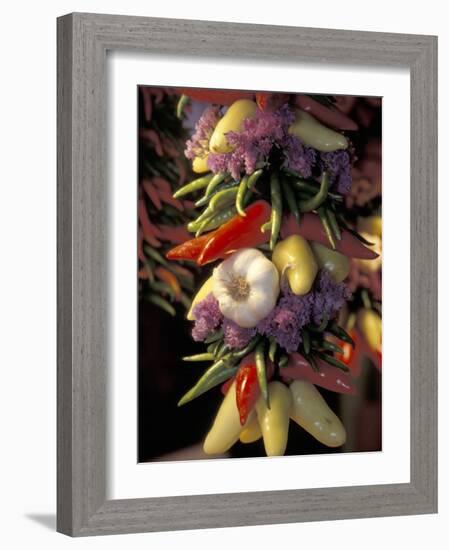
column 83, row 41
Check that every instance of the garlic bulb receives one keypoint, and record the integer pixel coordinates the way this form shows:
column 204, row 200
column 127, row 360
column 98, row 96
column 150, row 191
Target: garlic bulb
column 246, row 286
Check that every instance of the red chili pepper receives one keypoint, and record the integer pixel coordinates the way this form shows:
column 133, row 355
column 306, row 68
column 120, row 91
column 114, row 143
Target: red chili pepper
column 328, row 377
column 311, row 229
column 247, row 388
column 219, row 97
column 189, row 250
column 270, row 102
column 328, row 115
column 238, row 232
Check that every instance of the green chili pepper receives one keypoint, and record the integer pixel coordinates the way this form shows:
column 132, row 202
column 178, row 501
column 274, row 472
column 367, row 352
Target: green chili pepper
column 154, row 254
column 334, row 224
column 216, row 374
column 333, row 361
column 313, row 364
column 266, row 227
column 241, row 196
column 272, row 349
column 262, row 372
column 291, row 201
column 323, row 323
column 204, row 200
column 283, row 361
column 276, row 210
column 195, row 185
column 212, row 348
column 185, row 300
column 160, row 286
column 340, row 333
column 217, row 219
column 221, row 351
column 306, row 341
column 322, row 213
column 247, row 349
column 163, row 304
column 183, row 100
column 306, row 187
column 314, row 202
column 329, row 346
column 252, row 179
column 199, row 357
column 214, row 182
column 217, row 335
column 223, row 198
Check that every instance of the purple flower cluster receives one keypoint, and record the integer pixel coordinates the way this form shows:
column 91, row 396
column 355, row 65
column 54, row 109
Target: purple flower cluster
column 207, row 318
column 235, row 336
column 198, row 145
column 284, row 322
column 338, row 163
column 293, row 312
column 252, row 146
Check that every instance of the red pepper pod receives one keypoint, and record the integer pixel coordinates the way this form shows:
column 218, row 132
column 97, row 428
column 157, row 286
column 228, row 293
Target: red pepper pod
column 189, row 250
column 329, row 116
column 219, row 97
column 247, row 388
column 238, row 232
column 311, row 229
column 327, row 377
column 270, row 102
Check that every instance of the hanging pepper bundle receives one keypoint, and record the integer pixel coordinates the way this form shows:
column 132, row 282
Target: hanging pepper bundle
column 271, row 193
column 162, row 218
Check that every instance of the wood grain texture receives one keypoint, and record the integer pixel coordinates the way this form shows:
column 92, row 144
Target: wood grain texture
column 83, row 40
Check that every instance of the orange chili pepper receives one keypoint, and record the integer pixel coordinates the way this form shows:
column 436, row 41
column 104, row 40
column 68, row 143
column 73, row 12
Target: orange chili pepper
column 169, row 278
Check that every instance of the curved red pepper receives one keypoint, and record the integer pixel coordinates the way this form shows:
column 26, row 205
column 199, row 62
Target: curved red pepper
column 189, row 250
column 311, row 229
column 219, row 97
column 327, row 115
column 247, row 388
column 238, row 232
column 328, row 377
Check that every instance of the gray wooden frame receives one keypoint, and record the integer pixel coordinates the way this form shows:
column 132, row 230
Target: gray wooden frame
column 83, row 40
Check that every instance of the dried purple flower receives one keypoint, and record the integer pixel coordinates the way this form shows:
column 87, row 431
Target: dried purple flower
column 207, row 317
column 338, row 163
column 252, row 146
column 198, row 145
column 329, row 297
column 293, row 312
column 236, row 337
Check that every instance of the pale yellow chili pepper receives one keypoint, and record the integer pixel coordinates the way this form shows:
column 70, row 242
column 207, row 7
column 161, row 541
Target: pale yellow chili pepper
column 294, row 259
column 313, row 414
column 232, row 121
column 274, row 421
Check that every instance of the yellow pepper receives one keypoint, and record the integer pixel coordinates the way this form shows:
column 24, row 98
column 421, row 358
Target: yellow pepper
column 275, row 420
column 370, row 325
column 335, row 262
column 294, row 258
column 232, row 121
column 202, row 293
column 312, row 413
column 371, row 225
column 199, row 165
column 313, row 133
column 226, row 428
column 252, row 431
